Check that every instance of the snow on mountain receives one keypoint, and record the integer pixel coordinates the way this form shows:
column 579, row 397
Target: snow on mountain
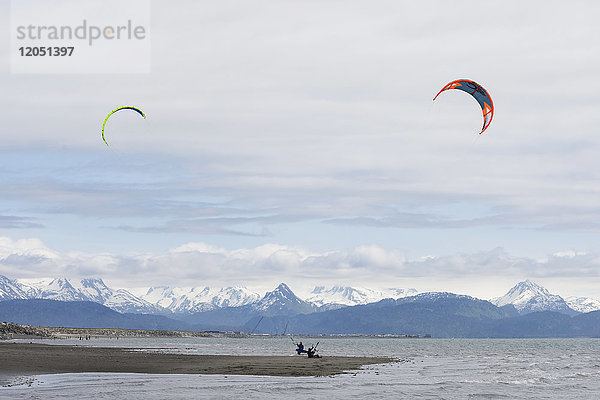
column 234, row 297
column 31, row 287
column 399, row 293
column 163, row 296
column 52, row 289
column 343, row 295
column 428, row 297
column 94, row 290
column 10, row 289
column 282, row 301
column 583, row 304
column 352, row 296
column 198, row 299
column 528, row 296
column 119, row 300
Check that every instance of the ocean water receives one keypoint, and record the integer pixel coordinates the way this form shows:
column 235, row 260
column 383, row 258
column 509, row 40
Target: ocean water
column 426, row 369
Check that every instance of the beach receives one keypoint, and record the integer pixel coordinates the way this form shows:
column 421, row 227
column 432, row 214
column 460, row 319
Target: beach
column 26, row 358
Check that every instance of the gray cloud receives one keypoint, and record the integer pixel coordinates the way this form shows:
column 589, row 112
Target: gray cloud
column 22, row 260
column 14, row 222
column 212, row 226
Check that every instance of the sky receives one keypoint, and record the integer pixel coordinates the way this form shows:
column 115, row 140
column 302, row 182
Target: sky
column 298, row 142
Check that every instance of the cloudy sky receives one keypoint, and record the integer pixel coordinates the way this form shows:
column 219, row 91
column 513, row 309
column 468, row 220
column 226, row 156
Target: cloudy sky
column 297, row 142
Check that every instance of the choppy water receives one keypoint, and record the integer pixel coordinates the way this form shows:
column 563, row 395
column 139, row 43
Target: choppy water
column 428, row 369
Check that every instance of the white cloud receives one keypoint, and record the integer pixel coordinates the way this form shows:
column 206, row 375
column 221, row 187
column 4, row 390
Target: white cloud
column 29, row 247
column 197, row 247
column 197, row 264
column 569, row 253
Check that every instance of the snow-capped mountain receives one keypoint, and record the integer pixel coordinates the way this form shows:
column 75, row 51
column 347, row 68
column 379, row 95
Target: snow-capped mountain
column 351, row 296
column 162, row 296
column 94, row 290
column 51, row 289
column 583, row 304
column 198, row 299
column 396, row 293
column 528, row 296
column 10, row 290
column 233, row 297
column 282, row 301
column 340, row 296
column 119, row 300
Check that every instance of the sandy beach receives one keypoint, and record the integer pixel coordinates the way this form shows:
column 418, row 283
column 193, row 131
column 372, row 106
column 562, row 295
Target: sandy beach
column 24, row 358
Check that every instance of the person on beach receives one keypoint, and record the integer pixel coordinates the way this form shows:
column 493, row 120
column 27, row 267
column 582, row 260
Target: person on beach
column 312, row 352
column 300, row 348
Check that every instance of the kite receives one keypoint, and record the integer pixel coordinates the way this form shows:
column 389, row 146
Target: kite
column 479, row 93
column 119, row 109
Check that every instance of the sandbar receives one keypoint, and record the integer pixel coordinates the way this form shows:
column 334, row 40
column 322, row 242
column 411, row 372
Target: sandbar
column 33, row 358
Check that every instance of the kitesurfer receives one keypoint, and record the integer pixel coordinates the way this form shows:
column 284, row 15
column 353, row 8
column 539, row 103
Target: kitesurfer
column 312, row 352
column 300, row 349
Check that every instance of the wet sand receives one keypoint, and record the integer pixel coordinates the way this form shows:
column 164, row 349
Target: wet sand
column 24, row 358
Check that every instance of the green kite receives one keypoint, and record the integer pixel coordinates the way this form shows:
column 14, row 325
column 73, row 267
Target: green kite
column 119, row 109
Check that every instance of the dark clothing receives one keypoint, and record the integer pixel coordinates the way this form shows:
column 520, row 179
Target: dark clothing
column 300, row 348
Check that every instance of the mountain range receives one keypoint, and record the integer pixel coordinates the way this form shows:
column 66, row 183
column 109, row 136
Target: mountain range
column 62, row 289
column 441, row 315
column 526, row 310
column 526, row 296
column 189, row 300
column 198, row 299
column 342, row 296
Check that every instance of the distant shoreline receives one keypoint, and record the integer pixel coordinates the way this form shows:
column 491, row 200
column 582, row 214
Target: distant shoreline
column 17, row 331
column 28, row 358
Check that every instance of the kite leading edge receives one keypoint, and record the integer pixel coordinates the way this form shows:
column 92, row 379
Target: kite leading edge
column 479, row 93
column 119, row 109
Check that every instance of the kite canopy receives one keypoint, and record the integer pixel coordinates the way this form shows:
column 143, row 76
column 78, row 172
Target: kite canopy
column 119, row 109
column 479, row 93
